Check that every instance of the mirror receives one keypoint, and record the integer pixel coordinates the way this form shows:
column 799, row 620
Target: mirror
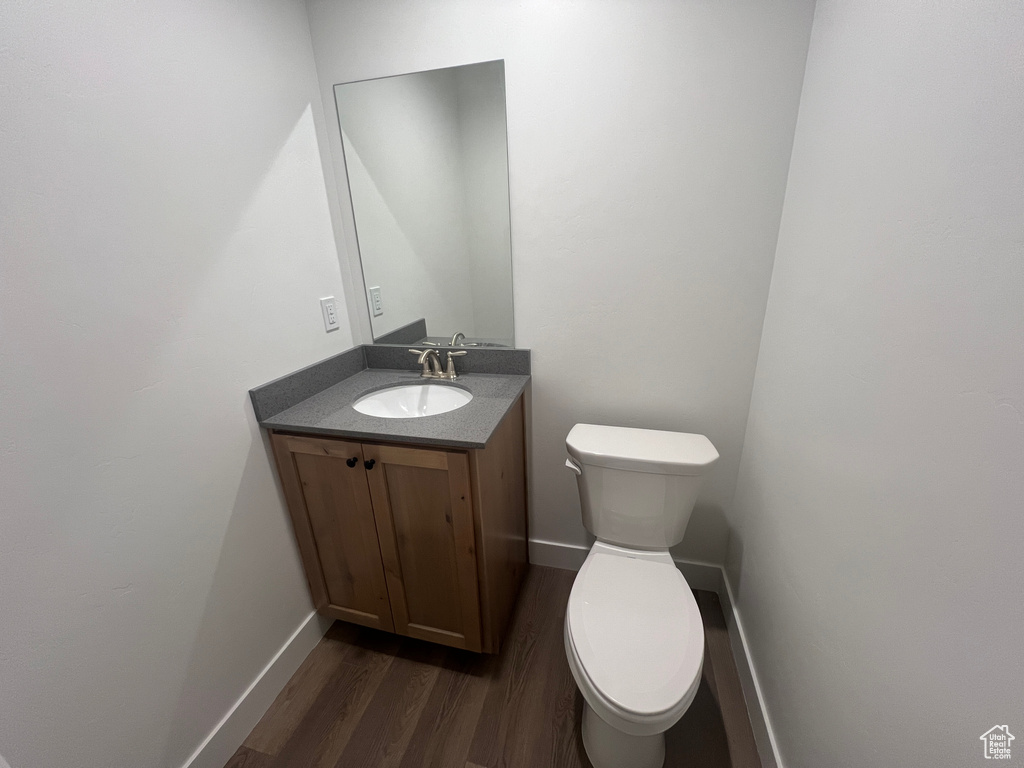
column 427, row 162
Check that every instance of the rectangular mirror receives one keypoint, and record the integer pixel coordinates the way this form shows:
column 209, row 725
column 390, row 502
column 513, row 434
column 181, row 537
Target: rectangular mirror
column 427, row 162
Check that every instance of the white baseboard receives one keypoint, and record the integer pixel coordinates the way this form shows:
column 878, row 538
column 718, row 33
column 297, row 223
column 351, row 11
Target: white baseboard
column 710, row 577
column 764, row 736
column 568, row 557
column 223, row 741
column 698, row 575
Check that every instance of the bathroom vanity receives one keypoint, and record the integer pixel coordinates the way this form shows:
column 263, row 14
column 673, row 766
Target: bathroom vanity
column 409, row 525
column 406, row 522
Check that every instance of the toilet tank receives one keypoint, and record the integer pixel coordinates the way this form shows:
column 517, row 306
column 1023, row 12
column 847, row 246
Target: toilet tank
column 637, row 486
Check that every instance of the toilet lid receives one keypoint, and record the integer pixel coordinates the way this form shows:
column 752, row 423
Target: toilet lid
column 637, row 632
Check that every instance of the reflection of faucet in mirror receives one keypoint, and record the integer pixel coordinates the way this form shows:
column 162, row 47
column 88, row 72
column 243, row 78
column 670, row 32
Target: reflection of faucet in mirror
column 459, row 340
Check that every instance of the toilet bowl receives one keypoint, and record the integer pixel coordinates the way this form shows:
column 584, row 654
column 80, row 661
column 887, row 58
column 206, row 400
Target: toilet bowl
column 633, row 634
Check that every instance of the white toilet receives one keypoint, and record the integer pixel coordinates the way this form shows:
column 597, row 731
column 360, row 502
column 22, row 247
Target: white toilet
column 633, row 633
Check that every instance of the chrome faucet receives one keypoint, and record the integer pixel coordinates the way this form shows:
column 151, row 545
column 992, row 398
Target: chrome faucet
column 431, row 363
column 460, row 336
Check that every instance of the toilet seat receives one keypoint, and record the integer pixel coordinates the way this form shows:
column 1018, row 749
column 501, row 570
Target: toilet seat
column 634, row 638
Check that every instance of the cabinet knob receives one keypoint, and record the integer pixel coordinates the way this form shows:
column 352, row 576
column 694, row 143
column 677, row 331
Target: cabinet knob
column 353, row 461
column 369, row 464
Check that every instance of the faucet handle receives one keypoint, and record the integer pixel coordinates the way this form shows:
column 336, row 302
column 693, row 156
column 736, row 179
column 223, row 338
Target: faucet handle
column 450, row 370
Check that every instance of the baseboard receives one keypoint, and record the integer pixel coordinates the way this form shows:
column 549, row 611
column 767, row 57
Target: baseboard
column 223, row 741
column 698, row 575
column 711, row 577
column 568, row 557
column 764, row 736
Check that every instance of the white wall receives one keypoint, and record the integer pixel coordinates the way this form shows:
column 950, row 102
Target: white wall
column 403, row 147
column 648, row 147
column 164, row 238
column 877, row 557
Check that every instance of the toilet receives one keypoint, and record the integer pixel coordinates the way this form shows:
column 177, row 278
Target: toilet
column 633, row 633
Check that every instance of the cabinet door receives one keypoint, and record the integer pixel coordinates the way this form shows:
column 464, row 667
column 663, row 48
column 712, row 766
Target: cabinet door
column 422, row 502
column 334, row 523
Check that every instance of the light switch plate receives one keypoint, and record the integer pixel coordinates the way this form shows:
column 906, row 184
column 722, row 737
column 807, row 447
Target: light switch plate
column 375, row 301
column 329, row 308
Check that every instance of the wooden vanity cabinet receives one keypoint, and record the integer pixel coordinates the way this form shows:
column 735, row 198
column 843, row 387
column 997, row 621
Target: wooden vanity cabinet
column 425, row 542
column 325, row 485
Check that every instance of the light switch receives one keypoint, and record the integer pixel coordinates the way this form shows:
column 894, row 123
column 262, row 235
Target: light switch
column 329, row 308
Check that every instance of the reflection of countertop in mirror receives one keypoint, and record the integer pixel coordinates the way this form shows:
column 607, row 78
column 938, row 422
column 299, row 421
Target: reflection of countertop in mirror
column 318, row 400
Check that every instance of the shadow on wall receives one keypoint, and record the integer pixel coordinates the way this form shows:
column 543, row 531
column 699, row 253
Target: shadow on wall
column 734, row 564
column 152, row 432
column 708, row 524
column 750, row 497
column 256, row 591
column 256, row 552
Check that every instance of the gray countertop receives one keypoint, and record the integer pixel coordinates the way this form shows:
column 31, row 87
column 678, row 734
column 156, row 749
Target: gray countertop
column 330, row 411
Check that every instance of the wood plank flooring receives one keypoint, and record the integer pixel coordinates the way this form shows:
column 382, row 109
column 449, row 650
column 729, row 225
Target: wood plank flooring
column 369, row 698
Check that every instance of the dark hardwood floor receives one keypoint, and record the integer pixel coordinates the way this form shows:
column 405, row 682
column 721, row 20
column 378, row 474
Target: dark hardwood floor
column 368, row 698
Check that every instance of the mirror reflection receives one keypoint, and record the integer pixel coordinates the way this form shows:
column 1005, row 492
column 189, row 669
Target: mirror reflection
column 427, row 164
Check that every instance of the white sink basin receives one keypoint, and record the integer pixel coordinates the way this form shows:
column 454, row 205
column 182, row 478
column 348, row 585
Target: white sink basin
column 410, row 401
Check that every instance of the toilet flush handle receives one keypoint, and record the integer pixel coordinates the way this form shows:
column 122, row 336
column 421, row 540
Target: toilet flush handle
column 573, row 466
